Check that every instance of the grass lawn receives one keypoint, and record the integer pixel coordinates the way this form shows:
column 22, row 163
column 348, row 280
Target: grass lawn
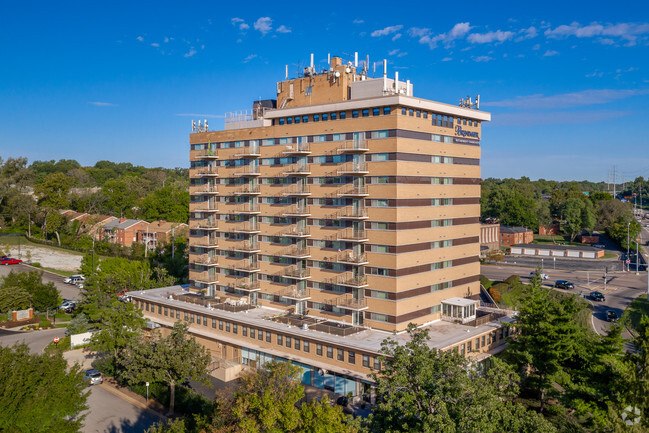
column 609, row 255
column 554, row 240
column 58, row 271
column 638, row 308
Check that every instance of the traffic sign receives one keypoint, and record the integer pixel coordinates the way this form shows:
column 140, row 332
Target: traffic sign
column 56, row 339
column 147, row 384
column 628, row 261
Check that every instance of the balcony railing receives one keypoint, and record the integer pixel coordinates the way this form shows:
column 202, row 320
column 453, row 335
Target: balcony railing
column 298, row 149
column 352, row 235
column 354, row 168
column 204, row 224
column 248, row 170
column 206, row 241
column 297, row 170
column 354, row 146
column 348, row 302
column 352, row 213
column 297, row 232
column 297, row 189
column 207, row 154
column 203, row 189
column 204, row 206
column 246, row 247
column 296, row 272
column 248, row 152
column 295, row 252
column 296, row 294
column 249, row 227
column 250, row 208
column 297, row 211
column 351, row 257
column 205, row 260
column 247, row 266
column 356, row 191
column 352, row 280
column 205, row 277
column 203, row 171
column 244, row 284
column 248, row 190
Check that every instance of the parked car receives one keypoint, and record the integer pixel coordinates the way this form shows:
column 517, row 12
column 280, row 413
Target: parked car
column 74, row 279
column 599, row 245
column 80, row 286
column 9, row 261
column 611, row 316
column 542, row 275
column 342, row 401
column 94, row 377
column 563, row 284
column 67, row 304
column 597, row 296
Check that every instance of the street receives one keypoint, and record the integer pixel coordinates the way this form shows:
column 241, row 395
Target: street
column 68, row 291
column 621, row 287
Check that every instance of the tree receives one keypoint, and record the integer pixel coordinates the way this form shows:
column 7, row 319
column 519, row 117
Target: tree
column 39, row 393
column 422, row 389
column 122, row 194
column 78, row 325
column 14, row 298
column 166, row 203
column 169, row 359
column 571, row 211
column 548, row 336
column 638, row 376
column 121, row 324
column 45, row 297
column 42, row 296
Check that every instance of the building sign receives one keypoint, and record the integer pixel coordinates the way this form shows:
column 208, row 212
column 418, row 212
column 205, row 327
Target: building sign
column 460, row 140
column 462, row 133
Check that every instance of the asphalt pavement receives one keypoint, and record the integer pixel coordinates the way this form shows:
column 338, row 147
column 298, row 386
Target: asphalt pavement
column 68, row 291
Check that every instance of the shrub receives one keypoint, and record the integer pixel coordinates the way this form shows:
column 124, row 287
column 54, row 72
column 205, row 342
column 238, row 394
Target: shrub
column 513, row 280
column 36, row 265
column 497, row 290
column 105, row 365
column 44, row 324
column 486, row 282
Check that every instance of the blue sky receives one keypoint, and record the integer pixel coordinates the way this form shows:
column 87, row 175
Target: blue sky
column 566, row 82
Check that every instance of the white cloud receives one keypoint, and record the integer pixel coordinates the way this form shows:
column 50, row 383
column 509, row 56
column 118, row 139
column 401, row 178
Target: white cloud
column 528, row 33
column 447, row 59
column 191, row 52
column 417, row 32
column 249, row 58
column 243, row 27
column 386, row 31
column 567, row 100
column 166, row 40
column 140, row 38
column 393, row 52
column 483, row 58
column 102, row 104
column 597, row 74
column 459, row 30
column 550, row 53
column 236, row 21
column 263, row 25
column 536, row 47
column 489, row 37
column 626, row 31
column 200, row 115
column 425, row 35
column 402, row 54
column 358, row 21
column 283, row 29
column 155, row 44
column 395, row 37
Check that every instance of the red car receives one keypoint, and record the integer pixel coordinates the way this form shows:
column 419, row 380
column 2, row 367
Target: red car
column 9, row 261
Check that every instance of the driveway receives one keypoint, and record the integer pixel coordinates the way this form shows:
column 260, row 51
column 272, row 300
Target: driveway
column 68, row 291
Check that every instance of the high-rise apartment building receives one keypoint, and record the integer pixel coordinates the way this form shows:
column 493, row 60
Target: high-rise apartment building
column 344, row 208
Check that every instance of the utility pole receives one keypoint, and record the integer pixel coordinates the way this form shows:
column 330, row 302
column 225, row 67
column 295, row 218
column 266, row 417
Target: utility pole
column 173, row 243
column 628, row 226
column 614, row 180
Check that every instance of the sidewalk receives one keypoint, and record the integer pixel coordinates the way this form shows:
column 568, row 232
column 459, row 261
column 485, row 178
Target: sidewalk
column 85, row 359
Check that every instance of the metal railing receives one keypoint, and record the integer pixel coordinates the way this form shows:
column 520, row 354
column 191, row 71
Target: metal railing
column 295, row 231
column 297, row 189
column 297, row 148
column 351, row 212
column 357, row 167
column 354, row 146
column 353, row 191
column 352, row 235
column 245, row 247
column 295, row 251
column 297, row 210
column 207, row 153
column 296, row 272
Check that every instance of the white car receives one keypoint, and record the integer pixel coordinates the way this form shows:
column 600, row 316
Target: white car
column 542, row 275
column 74, row 279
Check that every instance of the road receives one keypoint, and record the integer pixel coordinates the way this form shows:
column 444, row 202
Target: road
column 107, row 412
column 68, row 291
column 621, row 287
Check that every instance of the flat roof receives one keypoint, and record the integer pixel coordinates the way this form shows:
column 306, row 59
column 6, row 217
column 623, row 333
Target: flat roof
column 460, row 302
column 512, row 229
column 442, row 334
column 558, row 247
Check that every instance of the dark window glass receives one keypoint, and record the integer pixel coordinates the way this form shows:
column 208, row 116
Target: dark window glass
column 377, row 363
column 159, row 309
column 318, row 349
column 288, row 341
column 280, row 340
column 366, row 112
column 297, row 119
column 306, row 346
column 351, row 357
column 296, row 346
column 305, row 119
column 282, row 121
column 366, row 361
column 268, row 336
column 330, row 352
column 220, row 325
column 252, row 332
column 244, row 331
column 343, row 115
column 213, row 323
column 227, row 326
column 260, row 335
column 204, row 320
column 403, row 111
column 341, row 355
column 334, row 116
column 177, row 314
column 325, row 117
column 235, row 328
column 411, row 112
column 386, row 110
column 418, row 113
column 289, row 120
column 376, row 111
column 166, row 311
column 316, row 117
column 355, row 114
column 425, row 115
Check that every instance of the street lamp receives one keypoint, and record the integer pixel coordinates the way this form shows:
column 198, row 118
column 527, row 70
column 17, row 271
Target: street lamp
column 628, row 226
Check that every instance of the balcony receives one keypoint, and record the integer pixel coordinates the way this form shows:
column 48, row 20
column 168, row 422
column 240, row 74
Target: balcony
column 205, row 260
column 297, row 190
column 248, row 190
column 205, row 241
column 203, row 172
column 203, row 189
column 356, row 191
column 250, row 228
column 298, row 149
column 354, row 146
column 295, row 252
column 244, row 284
column 206, row 154
column 349, row 303
column 350, row 280
column 295, row 294
column 351, row 235
column 349, row 257
column 248, row 170
column 248, row 209
column 358, row 168
column 295, row 232
column 204, row 224
column 248, row 152
column 203, row 206
column 246, row 247
column 350, row 213
column 246, row 265
column 297, row 211
column 297, row 170
column 206, row 277
column 296, row 272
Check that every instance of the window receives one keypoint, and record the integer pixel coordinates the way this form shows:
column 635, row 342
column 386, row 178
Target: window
column 477, row 343
column 483, row 340
column 213, row 323
column 366, row 361
column 186, row 316
column 365, row 112
column 462, row 349
column 227, row 326
column 166, row 311
column 411, row 112
column 268, row 336
column 378, row 294
column 282, row 120
column 318, row 349
column 330, row 351
column 342, row 115
column 297, row 119
column 380, row 157
column 376, row 111
column 244, row 331
column 379, row 317
column 351, row 357
column 296, row 346
column 308, row 90
column 425, row 115
column 260, row 335
column 418, row 113
column 289, row 120
column 177, row 314
column 288, row 341
column 333, row 116
column 340, row 355
column 220, row 325
column 316, row 117
column 469, row 346
column 235, row 328
column 325, row 117
column 403, row 111
column 252, row 332
column 306, row 346
column 354, row 114
column 305, row 119
column 377, row 363
column 280, row 340
column 204, row 320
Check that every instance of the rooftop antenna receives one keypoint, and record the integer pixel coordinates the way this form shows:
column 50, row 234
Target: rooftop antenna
column 385, row 76
column 286, row 72
column 206, row 125
column 311, row 60
column 356, row 59
column 367, row 64
column 193, row 125
column 329, row 61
